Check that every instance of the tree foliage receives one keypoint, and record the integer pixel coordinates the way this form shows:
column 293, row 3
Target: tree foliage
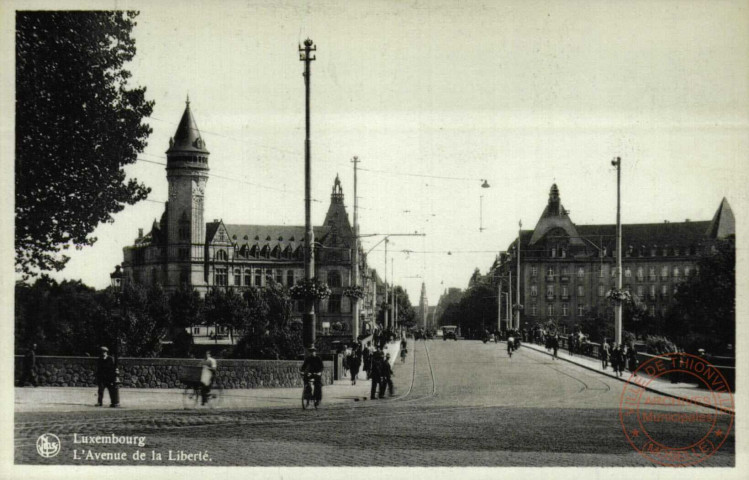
column 77, row 124
column 704, row 312
column 475, row 312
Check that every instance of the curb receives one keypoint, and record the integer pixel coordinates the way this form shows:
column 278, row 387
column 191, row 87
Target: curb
column 650, row 389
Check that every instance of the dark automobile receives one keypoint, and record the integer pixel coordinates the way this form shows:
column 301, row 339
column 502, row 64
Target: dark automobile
column 449, row 331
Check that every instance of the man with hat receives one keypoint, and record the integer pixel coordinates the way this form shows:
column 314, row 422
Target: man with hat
column 106, row 377
column 313, row 367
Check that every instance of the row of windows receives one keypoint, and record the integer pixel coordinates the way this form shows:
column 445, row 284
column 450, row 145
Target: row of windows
column 560, row 251
column 189, row 158
column 564, row 291
column 676, row 272
column 245, row 278
column 564, row 311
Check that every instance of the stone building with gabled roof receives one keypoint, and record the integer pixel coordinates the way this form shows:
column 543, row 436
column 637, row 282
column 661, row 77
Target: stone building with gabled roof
column 183, row 249
column 566, row 270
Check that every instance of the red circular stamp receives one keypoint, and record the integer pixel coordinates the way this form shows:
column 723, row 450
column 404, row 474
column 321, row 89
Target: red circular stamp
column 680, row 430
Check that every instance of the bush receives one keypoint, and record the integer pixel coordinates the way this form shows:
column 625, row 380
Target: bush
column 659, row 345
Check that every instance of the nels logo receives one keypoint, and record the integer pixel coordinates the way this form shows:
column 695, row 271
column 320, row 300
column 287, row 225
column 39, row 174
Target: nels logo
column 48, row 445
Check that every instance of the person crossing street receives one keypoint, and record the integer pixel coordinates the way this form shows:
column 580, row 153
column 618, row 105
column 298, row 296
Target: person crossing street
column 106, row 377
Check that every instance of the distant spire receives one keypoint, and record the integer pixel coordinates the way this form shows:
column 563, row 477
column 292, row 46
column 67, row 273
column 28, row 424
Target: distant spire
column 336, row 195
column 187, row 138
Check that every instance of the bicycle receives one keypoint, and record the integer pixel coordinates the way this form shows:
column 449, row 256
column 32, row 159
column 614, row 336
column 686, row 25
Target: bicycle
column 192, row 395
column 308, row 390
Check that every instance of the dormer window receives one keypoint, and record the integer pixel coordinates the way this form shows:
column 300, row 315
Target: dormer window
column 221, row 256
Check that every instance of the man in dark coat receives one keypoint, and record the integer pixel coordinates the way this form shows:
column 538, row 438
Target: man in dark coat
column 106, row 377
column 385, row 379
column 375, row 373
column 29, row 364
column 313, row 367
column 367, row 359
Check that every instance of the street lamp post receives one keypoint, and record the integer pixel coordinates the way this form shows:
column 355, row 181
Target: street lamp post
column 116, row 280
column 517, row 304
column 308, row 317
column 617, row 162
column 355, row 260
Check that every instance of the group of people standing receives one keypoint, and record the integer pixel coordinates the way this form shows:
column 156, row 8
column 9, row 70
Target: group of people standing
column 620, row 357
column 375, row 363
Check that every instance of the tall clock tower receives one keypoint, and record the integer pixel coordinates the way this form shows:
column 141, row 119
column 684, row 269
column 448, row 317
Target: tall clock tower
column 187, row 174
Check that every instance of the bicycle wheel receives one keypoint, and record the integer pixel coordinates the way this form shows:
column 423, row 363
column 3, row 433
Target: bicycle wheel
column 306, row 397
column 190, row 397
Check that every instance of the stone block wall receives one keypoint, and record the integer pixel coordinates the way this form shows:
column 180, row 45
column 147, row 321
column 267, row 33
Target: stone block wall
column 165, row 372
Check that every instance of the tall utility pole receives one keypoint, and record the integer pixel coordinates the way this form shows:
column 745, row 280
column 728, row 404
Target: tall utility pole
column 509, row 302
column 517, row 303
column 617, row 162
column 355, row 270
column 385, row 317
column 392, row 297
column 308, row 317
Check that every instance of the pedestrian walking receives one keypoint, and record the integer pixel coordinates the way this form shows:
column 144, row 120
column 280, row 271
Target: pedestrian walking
column 106, row 378
column 346, row 355
column 633, row 361
column 207, row 375
column 554, row 344
column 386, row 378
column 354, row 365
column 367, row 359
column 605, row 354
column 375, row 374
column 29, row 367
column 617, row 360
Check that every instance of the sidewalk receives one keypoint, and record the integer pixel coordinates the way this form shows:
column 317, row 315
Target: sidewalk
column 76, row 399
column 684, row 391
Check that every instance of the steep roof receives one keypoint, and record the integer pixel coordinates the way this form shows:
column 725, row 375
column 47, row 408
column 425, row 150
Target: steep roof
column 723, row 223
column 647, row 234
column 264, row 234
column 187, row 138
column 555, row 216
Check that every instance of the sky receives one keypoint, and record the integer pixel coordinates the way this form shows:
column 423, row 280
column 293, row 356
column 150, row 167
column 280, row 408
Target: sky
column 433, row 98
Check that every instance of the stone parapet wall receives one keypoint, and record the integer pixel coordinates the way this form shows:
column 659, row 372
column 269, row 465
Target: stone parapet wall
column 165, row 372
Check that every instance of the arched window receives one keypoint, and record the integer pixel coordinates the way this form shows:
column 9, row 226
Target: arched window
column 221, row 256
column 237, row 276
column 334, row 279
column 258, row 277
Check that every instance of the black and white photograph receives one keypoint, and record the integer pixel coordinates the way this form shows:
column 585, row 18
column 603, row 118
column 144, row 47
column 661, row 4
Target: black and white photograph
column 407, row 239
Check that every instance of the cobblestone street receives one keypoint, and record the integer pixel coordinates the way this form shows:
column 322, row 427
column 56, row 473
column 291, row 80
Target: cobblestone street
column 457, row 404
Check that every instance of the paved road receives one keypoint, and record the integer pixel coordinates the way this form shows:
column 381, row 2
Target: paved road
column 458, row 404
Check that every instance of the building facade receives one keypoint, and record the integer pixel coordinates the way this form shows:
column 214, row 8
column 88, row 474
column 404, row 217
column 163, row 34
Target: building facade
column 567, row 270
column 183, row 249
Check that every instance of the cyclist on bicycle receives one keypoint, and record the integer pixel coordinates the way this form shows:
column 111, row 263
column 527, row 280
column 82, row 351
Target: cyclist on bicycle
column 312, row 368
column 207, row 375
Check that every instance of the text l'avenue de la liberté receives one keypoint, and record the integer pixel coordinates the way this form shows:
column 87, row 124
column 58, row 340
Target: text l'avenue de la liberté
column 140, row 454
